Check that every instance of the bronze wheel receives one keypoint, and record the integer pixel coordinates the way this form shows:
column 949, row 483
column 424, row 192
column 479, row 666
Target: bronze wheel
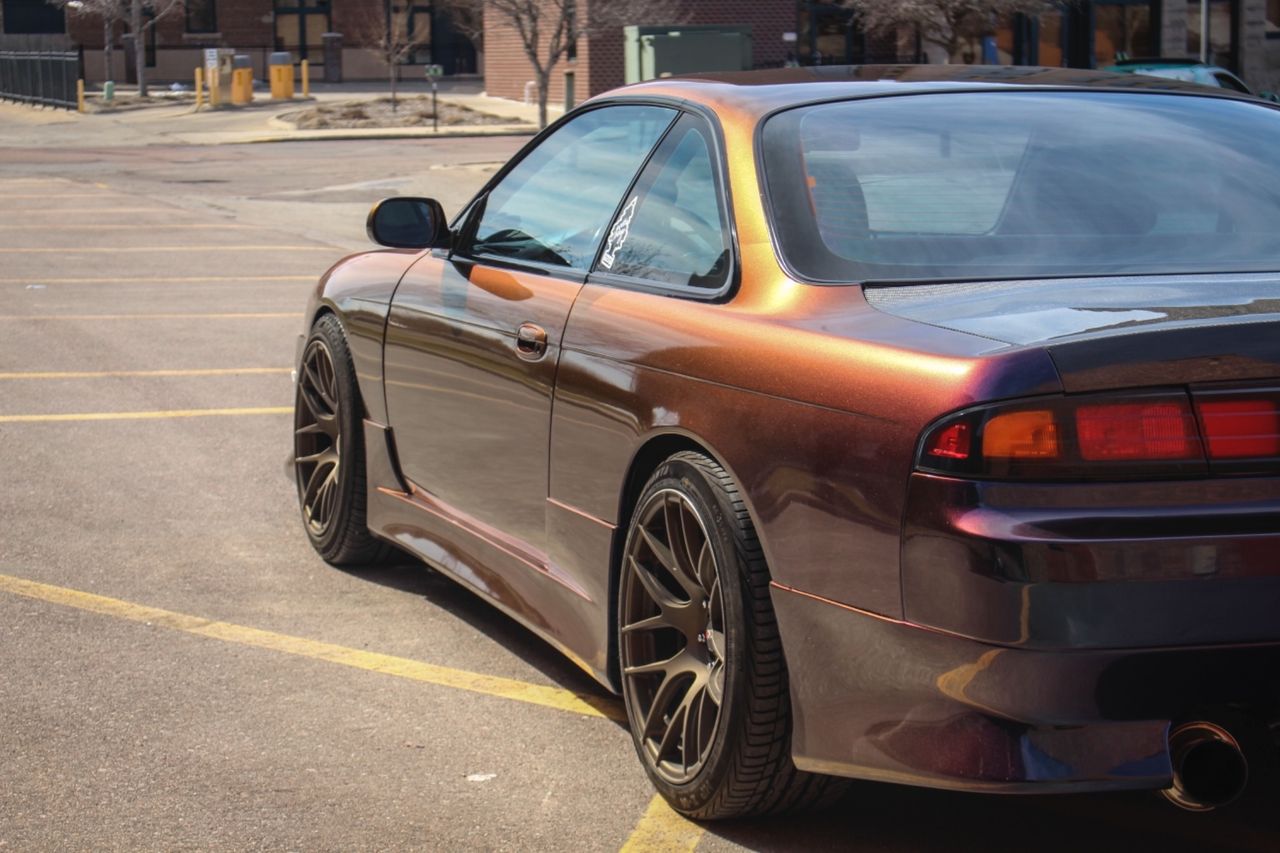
column 328, row 449
column 703, row 677
column 317, row 437
column 672, row 635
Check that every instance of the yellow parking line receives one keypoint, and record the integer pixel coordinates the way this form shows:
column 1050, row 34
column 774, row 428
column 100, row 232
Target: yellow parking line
column 63, row 211
column 97, row 374
column 176, row 279
column 136, row 416
column 59, row 195
column 260, row 315
column 490, row 685
column 119, row 226
column 662, row 830
column 117, row 250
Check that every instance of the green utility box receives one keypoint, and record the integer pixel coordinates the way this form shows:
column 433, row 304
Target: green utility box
column 665, row 51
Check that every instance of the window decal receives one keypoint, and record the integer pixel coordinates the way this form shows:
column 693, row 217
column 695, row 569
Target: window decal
column 618, row 233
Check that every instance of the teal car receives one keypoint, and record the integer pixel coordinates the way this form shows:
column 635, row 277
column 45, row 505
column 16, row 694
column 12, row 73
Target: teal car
column 1189, row 71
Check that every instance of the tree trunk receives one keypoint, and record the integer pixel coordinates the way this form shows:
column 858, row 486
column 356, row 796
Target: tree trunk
column 106, row 49
column 139, row 46
column 393, row 73
column 544, row 84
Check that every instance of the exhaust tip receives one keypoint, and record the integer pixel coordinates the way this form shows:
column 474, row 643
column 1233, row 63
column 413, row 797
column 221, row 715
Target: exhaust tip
column 1209, row 767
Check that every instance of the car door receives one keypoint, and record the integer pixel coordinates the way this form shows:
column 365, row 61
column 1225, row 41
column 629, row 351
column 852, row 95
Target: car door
column 473, row 338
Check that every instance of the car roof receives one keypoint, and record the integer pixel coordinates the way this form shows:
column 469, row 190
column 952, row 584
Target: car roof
column 760, row 92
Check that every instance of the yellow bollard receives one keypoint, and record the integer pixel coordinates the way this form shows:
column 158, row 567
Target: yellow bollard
column 280, row 66
column 215, row 88
column 242, row 86
column 306, row 79
column 80, row 96
column 199, row 88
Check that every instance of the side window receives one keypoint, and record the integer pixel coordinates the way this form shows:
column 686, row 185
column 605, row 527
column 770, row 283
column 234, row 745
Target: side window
column 553, row 207
column 672, row 228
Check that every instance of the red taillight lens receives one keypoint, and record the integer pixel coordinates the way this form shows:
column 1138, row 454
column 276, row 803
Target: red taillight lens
column 951, row 442
column 1132, row 431
column 1241, row 428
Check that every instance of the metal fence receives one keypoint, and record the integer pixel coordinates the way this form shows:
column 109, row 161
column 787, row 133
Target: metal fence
column 39, row 71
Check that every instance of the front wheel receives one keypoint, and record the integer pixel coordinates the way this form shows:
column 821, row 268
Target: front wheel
column 328, row 449
column 703, row 677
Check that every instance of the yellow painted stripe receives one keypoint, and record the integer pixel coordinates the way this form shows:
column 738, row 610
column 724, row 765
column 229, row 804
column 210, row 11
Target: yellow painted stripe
column 63, row 211
column 119, row 226
column 490, row 685
column 176, row 279
column 256, row 315
column 59, row 195
column 142, row 416
column 97, row 374
column 119, row 250
column 662, row 830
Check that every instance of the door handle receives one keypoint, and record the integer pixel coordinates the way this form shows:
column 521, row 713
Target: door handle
column 531, row 341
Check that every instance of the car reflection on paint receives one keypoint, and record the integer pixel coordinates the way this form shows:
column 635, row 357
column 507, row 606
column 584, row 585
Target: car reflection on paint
column 910, row 424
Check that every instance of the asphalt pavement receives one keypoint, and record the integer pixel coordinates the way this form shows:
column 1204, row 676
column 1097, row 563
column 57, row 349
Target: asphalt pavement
column 180, row 671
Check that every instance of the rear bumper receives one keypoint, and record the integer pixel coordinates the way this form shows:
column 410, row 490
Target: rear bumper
column 882, row 699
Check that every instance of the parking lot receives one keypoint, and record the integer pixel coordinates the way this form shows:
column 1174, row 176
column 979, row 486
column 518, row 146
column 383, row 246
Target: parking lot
column 181, row 671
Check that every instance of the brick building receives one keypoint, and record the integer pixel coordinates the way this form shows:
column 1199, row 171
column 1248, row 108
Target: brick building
column 598, row 64
column 1242, row 35
column 175, row 44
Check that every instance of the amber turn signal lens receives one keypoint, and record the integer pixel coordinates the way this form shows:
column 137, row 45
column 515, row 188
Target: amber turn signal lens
column 1021, row 435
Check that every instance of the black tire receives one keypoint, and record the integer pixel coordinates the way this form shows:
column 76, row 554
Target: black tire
column 329, row 464
column 740, row 764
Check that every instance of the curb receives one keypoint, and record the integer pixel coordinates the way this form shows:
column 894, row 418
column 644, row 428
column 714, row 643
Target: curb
column 379, row 133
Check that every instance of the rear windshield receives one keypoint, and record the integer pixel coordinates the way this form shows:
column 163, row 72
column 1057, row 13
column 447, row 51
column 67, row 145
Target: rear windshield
column 1024, row 184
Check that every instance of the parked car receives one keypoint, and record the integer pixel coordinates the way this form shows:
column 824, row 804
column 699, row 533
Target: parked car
column 1189, row 71
column 916, row 424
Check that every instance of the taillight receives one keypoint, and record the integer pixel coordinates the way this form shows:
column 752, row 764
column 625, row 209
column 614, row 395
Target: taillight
column 1102, row 436
column 1109, row 436
column 1163, row 429
column 1240, row 425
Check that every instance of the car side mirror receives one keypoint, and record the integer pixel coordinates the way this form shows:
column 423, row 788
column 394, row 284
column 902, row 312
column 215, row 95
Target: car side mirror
column 406, row 222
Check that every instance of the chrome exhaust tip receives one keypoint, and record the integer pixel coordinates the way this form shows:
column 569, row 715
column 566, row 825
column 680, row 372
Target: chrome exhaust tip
column 1209, row 767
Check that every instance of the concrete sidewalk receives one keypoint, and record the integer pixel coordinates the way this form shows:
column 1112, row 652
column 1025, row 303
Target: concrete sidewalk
column 25, row 126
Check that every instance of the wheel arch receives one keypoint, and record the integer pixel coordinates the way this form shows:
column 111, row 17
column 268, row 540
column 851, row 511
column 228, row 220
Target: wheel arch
column 652, row 452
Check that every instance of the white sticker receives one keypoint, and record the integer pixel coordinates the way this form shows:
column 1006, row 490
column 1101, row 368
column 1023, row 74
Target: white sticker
column 618, row 233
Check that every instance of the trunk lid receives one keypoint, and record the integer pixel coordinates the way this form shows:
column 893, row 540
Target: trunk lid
column 1115, row 332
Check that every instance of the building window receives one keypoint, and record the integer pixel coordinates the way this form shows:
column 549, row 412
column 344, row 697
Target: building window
column 1273, row 19
column 1221, row 44
column 1122, row 30
column 30, row 17
column 202, row 16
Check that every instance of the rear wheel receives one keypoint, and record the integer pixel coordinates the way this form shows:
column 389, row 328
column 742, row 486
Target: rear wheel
column 328, row 450
column 703, row 677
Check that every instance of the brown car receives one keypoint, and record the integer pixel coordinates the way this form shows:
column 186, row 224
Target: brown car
column 900, row 423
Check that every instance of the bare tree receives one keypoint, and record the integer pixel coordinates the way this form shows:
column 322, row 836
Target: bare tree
column 946, row 23
column 143, row 15
column 550, row 29
column 393, row 33
column 110, row 12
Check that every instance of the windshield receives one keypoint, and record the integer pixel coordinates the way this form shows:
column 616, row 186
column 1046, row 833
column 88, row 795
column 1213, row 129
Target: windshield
column 1024, row 184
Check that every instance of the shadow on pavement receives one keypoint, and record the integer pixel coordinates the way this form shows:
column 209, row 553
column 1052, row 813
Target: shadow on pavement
column 406, row 574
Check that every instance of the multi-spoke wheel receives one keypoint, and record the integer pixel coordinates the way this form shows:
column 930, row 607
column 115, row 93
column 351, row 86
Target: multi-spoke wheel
column 703, row 678
column 328, row 451
column 672, row 635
